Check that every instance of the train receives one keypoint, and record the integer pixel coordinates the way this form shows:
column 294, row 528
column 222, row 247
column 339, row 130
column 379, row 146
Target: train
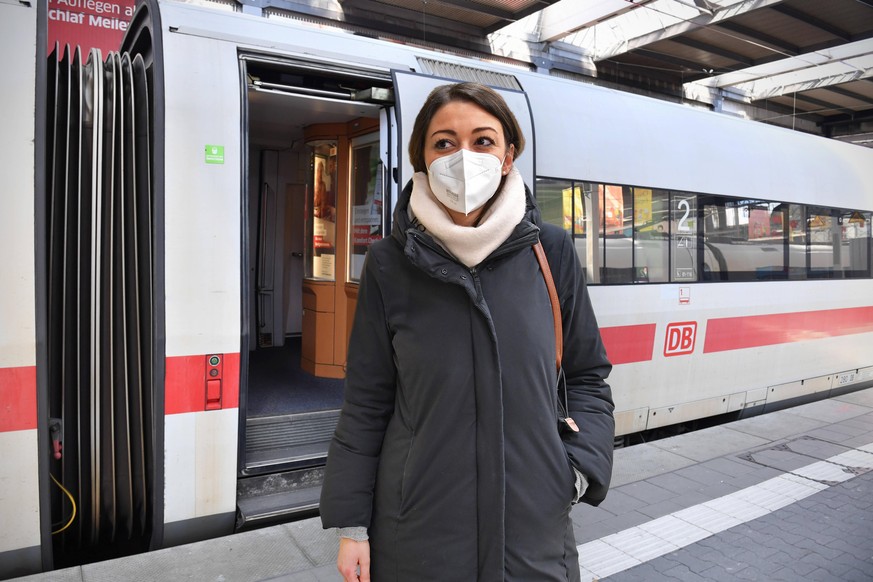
column 185, row 220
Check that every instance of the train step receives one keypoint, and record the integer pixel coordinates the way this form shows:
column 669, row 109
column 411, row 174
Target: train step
column 279, row 497
column 293, row 439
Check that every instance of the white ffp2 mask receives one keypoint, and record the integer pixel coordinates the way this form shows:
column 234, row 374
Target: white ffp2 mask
column 464, row 180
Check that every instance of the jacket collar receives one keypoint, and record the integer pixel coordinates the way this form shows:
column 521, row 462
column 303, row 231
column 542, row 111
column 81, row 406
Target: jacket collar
column 428, row 255
column 470, row 245
column 403, row 222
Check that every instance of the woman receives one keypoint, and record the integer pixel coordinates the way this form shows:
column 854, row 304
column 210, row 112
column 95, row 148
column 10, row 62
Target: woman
column 447, row 463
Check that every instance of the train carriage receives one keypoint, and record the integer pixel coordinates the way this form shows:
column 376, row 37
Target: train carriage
column 182, row 262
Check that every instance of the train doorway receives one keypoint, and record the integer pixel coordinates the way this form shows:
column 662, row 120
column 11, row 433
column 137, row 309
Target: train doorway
column 312, row 177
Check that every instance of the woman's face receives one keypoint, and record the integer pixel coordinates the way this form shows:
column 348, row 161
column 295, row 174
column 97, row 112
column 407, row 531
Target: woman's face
column 462, row 125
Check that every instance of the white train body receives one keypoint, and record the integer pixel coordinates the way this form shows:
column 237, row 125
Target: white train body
column 683, row 350
column 19, row 477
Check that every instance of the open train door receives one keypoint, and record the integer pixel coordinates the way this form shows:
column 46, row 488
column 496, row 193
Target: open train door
column 317, row 136
column 100, row 299
column 411, row 90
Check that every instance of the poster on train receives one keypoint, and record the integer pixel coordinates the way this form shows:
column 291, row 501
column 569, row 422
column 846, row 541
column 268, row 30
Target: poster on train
column 89, row 24
column 324, row 218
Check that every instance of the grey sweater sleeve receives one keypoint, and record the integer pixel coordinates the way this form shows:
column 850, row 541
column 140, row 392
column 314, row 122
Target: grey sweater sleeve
column 581, row 485
column 358, row 533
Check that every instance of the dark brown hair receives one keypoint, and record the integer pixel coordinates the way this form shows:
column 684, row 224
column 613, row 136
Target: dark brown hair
column 481, row 95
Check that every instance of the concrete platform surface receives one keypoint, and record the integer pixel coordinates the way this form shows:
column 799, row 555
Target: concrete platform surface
column 784, row 496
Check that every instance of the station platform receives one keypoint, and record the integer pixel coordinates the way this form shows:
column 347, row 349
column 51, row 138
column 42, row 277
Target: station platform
column 783, row 496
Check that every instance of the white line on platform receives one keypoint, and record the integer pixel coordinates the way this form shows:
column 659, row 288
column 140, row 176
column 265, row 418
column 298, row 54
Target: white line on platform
column 628, row 548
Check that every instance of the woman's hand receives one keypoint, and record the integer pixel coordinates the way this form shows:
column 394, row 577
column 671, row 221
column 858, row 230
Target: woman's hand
column 353, row 560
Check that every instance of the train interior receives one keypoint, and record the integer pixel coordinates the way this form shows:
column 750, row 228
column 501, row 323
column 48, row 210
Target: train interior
column 296, row 277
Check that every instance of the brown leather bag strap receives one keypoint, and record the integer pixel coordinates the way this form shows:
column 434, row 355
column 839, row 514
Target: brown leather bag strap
column 565, row 421
column 553, row 297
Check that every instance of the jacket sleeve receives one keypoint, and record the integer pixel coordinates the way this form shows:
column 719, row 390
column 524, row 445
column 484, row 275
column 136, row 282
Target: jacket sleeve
column 353, row 456
column 586, row 368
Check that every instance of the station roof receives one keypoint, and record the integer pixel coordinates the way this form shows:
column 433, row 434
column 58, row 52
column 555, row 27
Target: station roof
column 805, row 64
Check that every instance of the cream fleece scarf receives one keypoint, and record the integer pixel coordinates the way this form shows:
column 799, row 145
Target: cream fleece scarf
column 470, row 244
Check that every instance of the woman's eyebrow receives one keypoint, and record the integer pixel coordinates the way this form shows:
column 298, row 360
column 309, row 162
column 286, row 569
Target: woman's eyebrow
column 475, row 130
column 449, row 131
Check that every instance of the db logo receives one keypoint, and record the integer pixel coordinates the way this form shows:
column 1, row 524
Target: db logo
column 680, row 338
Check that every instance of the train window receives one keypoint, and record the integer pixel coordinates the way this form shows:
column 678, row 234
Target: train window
column 823, row 253
column 796, row 234
column 651, row 235
column 855, row 242
column 616, row 233
column 561, row 203
column 550, row 199
column 743, row 240
column 366, row 200
column 839, row 244
column 646, row 235
column 683, row 238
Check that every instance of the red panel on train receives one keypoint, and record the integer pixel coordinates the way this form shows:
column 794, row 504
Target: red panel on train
column 88, row 23
column 17, row 398
column 187, row 382
column 736, row 333
column 629, row 343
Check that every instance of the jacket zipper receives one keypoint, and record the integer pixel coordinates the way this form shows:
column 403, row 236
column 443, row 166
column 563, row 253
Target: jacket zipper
column 477, row 284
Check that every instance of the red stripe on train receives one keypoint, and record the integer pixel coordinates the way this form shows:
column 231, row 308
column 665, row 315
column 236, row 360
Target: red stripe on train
column 751, row 331
column 629, row 343
column 186, row 384
column 17, row 398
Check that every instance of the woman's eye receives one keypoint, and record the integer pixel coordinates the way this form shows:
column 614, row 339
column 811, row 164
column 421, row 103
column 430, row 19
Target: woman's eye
column 485, row 141
column 442, row 144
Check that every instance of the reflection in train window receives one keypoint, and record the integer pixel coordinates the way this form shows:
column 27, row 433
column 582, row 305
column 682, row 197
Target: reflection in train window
column 616, row 234
column 796, row 231
column 561, row 203
column 656, row 236
column 823, row 254
column 839, row 244
column 551, row 203
column 855, row 237
column 366, row 198
column 651, row 235
column 743, row 240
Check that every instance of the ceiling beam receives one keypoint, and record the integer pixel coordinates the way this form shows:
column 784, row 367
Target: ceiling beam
column 482, row 8
column 684, row 65
column 379, row 19
column 840, row 64
column 797, row 82
column 776, row 44
column 710, row 48
column 647, row 25
column 851, row 94
column 813, row 21
column 821, row 106
column 536, row 7
column 567, row 16
column 820, row 69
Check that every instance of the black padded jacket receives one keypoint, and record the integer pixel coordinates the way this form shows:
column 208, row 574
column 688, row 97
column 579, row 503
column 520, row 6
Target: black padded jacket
column 447, row 447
